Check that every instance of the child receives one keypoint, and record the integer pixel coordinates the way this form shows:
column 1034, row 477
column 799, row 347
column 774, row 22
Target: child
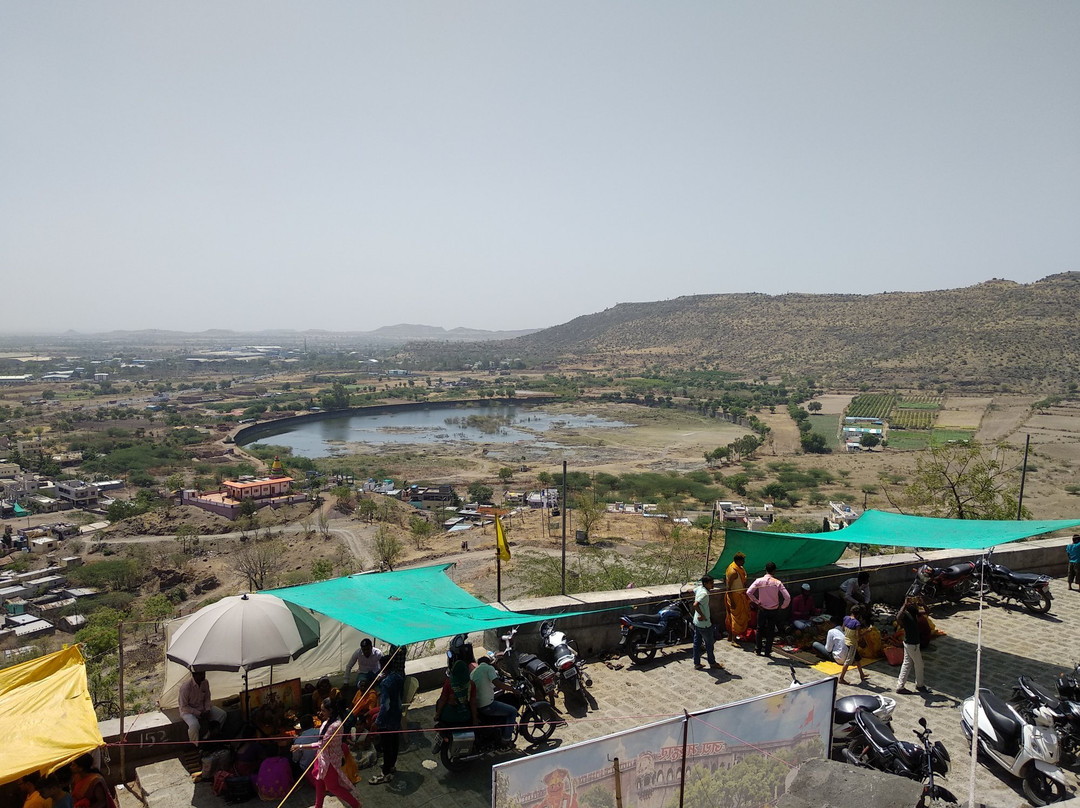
column 853, row 627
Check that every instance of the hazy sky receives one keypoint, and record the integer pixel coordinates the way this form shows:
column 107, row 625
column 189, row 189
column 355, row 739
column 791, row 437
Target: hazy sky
column 349, row 165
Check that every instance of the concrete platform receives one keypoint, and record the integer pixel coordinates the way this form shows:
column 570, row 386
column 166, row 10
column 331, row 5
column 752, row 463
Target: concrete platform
column 1014, row 642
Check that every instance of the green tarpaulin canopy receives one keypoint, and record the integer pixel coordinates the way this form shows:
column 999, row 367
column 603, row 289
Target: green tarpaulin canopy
column 404, row 606
column 811, row 550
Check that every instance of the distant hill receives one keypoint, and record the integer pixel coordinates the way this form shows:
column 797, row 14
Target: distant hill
column 995, row 334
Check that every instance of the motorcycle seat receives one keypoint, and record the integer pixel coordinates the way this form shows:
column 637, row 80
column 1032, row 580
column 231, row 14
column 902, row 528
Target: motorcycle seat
column 647, row 619
column 1002, row 719
column 958, row 570
column 1044, row 695
column 1026, row 577
column 878, row 732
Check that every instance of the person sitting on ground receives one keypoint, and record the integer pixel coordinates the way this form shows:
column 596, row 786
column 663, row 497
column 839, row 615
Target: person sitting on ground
column 803, row 608
column 833, row 649
column 304, row 755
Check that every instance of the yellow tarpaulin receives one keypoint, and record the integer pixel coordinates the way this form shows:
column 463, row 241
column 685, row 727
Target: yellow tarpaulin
column 46, row 716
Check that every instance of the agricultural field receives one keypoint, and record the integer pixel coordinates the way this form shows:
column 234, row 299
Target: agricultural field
column 872, row 405
column 829, row 427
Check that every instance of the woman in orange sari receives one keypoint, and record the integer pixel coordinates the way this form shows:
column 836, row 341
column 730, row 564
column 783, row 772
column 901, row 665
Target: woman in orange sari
column 735, row 599
column 88, row 786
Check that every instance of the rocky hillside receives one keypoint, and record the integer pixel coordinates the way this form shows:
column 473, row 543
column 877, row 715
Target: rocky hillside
column 997, row 334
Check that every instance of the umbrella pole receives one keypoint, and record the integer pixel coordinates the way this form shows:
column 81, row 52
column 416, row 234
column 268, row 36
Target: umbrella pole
column 247, row 715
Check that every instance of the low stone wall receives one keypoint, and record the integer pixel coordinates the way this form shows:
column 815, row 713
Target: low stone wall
column 890, row 578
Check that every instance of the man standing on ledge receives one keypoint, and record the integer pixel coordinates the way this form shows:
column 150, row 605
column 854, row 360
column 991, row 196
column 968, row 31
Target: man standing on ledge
column 771, row 597
column 703, row 627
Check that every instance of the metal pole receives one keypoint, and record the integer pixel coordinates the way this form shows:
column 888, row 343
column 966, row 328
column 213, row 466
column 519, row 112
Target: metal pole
column 685, row 737
column 978, row 684
column 708, row 549
column 564, row 507
column 1023, row 477
column 618, row 783
column 123, row 740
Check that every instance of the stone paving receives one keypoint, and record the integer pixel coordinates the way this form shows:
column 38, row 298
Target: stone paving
column 1014, row 642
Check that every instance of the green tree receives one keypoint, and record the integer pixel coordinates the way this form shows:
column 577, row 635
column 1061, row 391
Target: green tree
column 421, row 529
column 186, row 536
column 321, row 569
column 367, row 508
column 588, row 511
column 388, row 548
column 869, row 441
column 506, row 474
column 478, row 492
column 814, row 443
column 965, row 481
column 336, row 398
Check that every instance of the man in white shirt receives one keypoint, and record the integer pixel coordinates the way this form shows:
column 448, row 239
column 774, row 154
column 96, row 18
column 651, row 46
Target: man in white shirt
column 367, row 659
column 195, row 705
column 856, row 591
column 834, row 648
column 484, row 678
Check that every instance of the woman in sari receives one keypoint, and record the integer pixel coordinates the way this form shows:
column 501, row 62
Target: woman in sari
column 88, row 786
column 735, row 599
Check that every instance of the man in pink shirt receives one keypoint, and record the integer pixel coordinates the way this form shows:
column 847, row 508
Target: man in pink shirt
column 771, row 598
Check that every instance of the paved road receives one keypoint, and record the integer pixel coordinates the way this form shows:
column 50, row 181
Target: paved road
column 1014, row 642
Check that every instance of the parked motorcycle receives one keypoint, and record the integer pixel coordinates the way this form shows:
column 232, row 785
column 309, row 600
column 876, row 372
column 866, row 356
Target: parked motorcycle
column 1029, row 588
column 876, row 747
column 844, row 710
column 570, row 667
column 459, row 744
column 1046, row 709
column 520, row 665
column 1018, row 746
column 939, row 584
column 642, row 634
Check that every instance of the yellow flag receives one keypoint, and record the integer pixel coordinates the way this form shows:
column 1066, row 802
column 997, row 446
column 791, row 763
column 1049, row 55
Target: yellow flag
column 500, row 540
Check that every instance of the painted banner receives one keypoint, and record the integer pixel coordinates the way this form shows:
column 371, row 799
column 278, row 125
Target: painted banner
column 730, row 756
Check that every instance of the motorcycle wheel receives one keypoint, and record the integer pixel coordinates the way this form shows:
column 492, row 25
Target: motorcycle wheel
column 1040, row 789
column 855, row 753
column 452, row 764
column 636, row 653
column 963, row 589
column 1037, row 602
column 537, row 725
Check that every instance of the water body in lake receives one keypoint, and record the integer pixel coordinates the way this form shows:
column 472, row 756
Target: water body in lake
column 504, row 423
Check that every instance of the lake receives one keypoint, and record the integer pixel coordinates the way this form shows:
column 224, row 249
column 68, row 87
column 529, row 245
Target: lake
column 498, row 423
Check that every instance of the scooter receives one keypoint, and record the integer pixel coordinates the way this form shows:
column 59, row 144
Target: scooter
column 1019, row 747
column 644, row 634
column 458, row 745
column 1029, row 588
column 570, row 668
column 844, row 710
column 1043, row 708
column 876, row 747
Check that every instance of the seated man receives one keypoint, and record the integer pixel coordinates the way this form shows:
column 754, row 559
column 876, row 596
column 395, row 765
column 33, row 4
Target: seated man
column 366, row 659
column 803, row 608
column 833, row 649
column 197, row 709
